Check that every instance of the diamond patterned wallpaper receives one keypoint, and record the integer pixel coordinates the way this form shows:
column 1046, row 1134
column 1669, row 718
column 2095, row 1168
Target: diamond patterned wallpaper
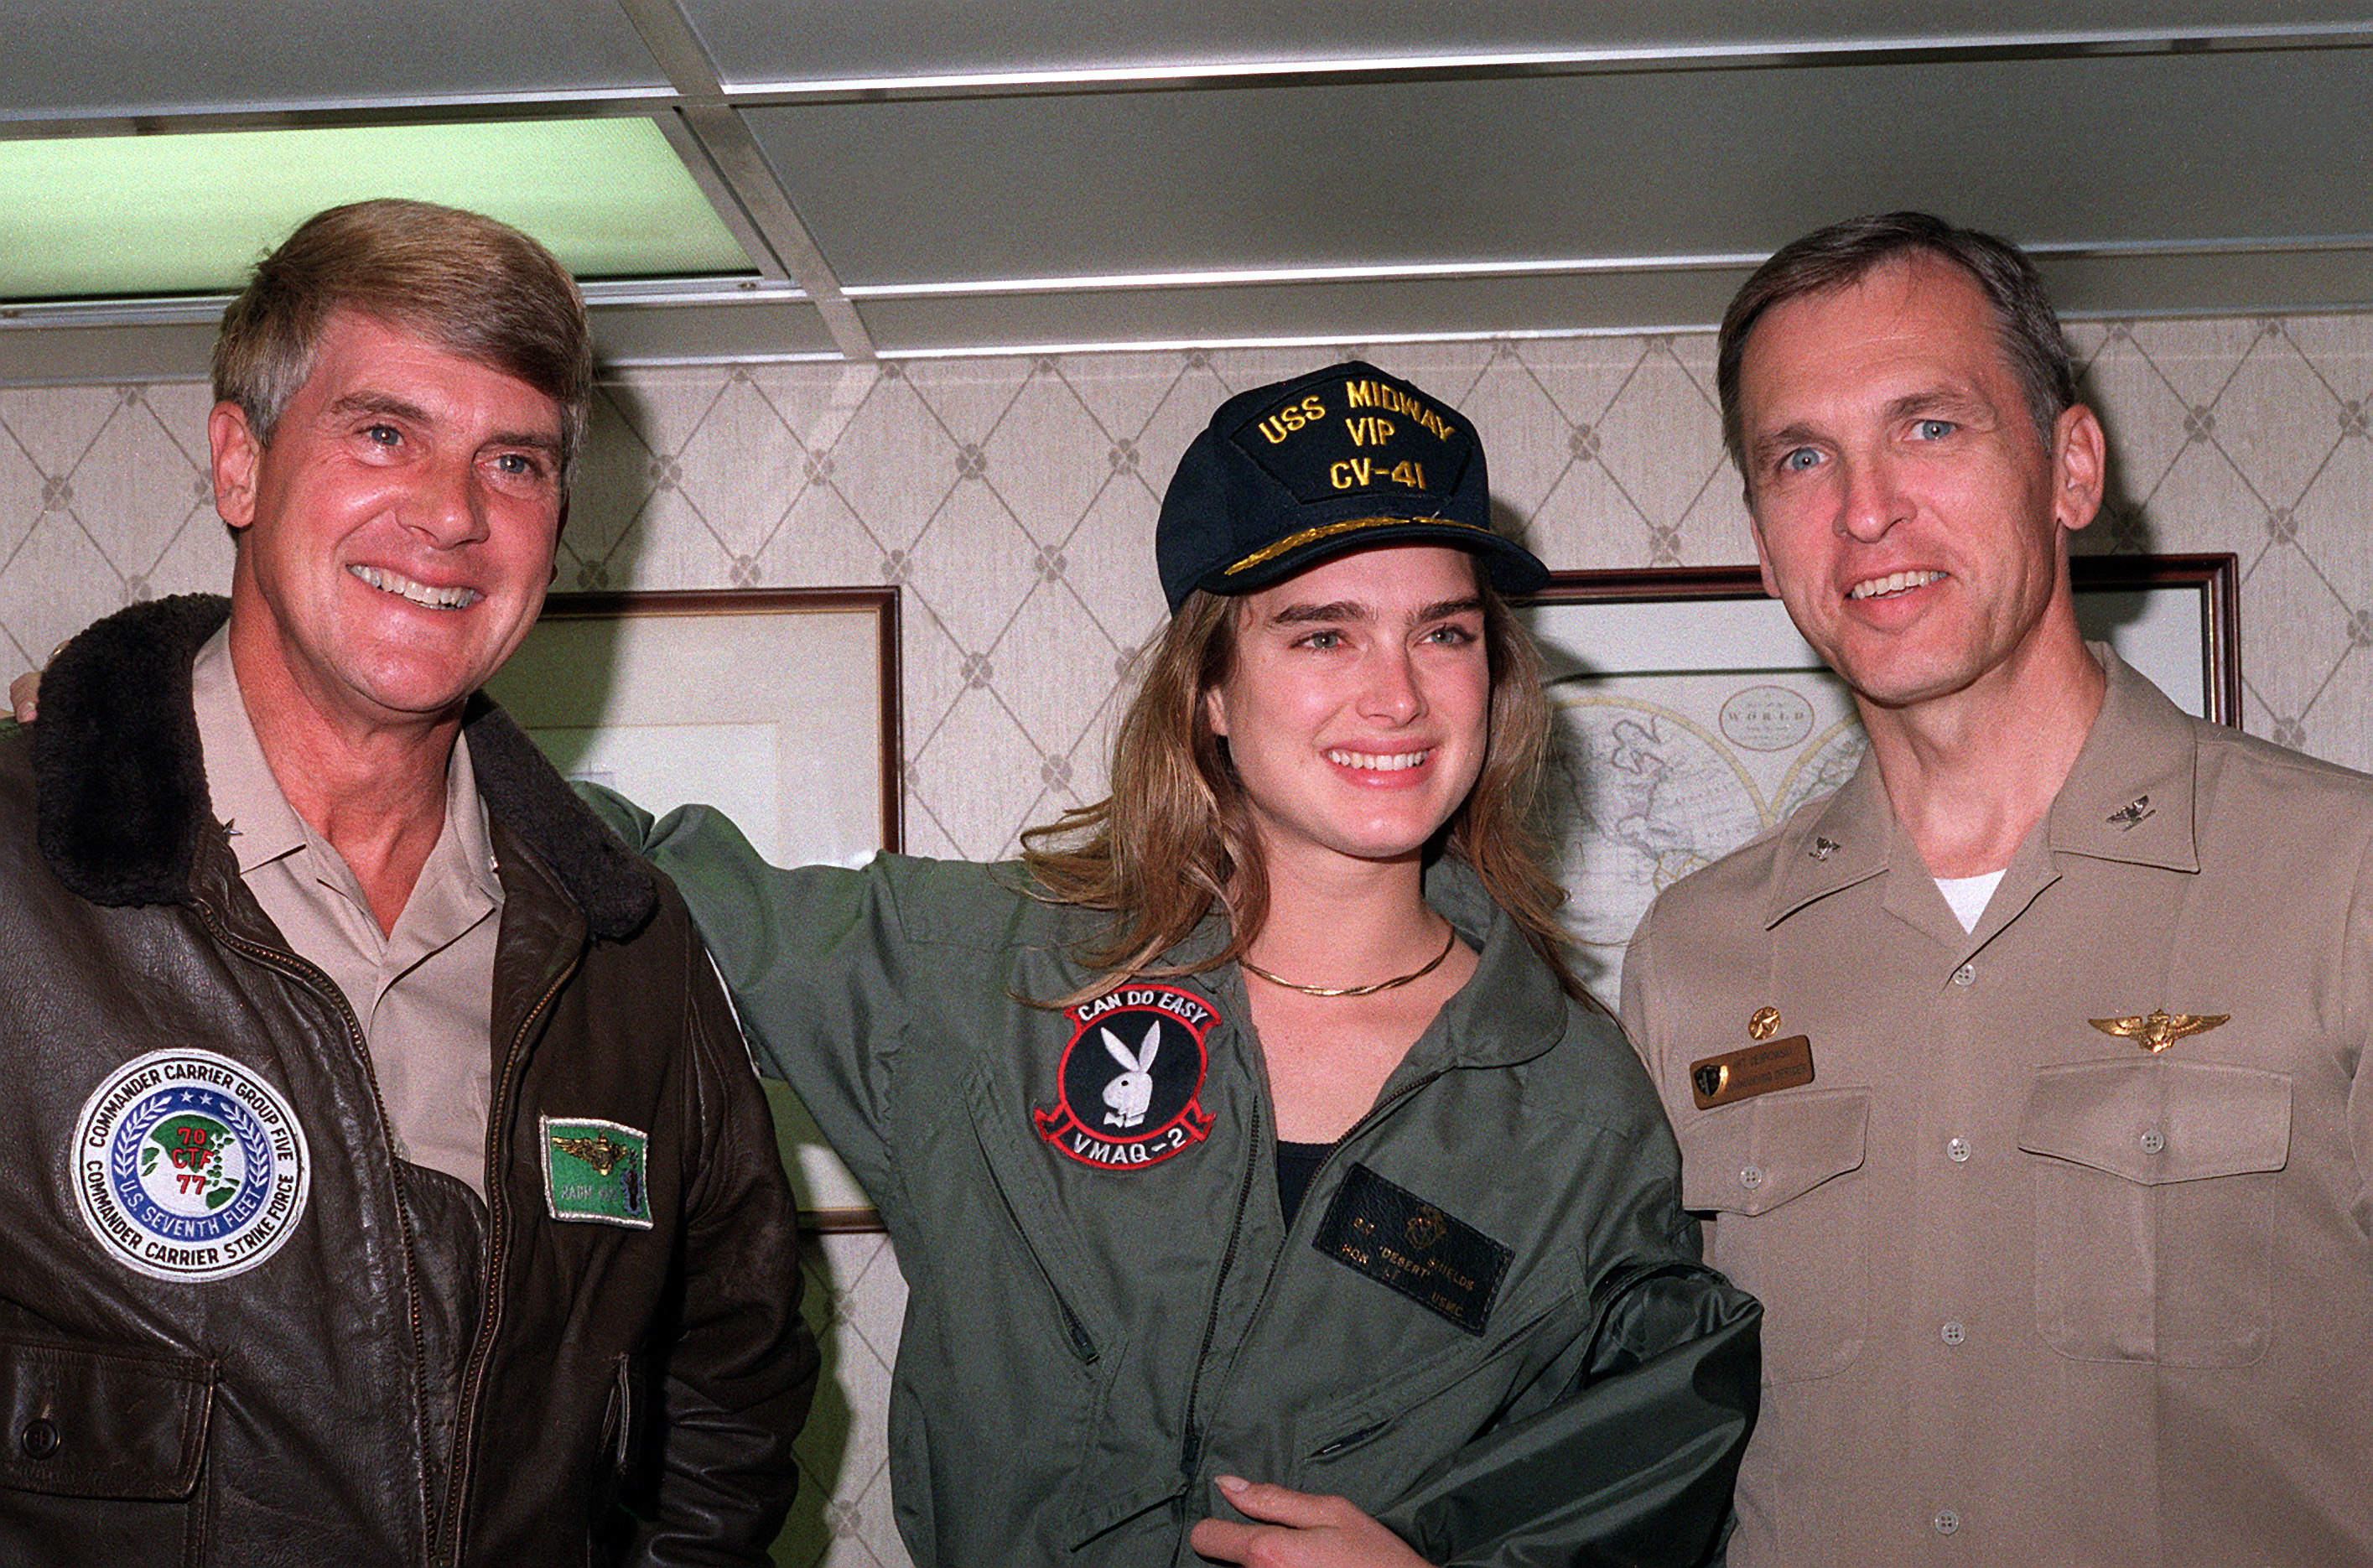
column 1013, row 500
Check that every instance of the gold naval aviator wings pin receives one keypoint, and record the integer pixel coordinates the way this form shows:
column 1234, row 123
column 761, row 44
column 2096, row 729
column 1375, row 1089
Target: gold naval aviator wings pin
column 2161, row 1029
column 603, row 1152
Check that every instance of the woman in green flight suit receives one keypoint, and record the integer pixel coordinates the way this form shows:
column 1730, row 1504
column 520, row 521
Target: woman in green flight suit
column 1266, row 1188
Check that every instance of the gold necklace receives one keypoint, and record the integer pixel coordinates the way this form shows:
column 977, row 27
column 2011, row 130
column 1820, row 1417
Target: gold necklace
column 1430, row 966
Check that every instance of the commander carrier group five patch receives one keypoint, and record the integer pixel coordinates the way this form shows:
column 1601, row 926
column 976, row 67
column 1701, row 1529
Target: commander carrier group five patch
column 188, row 1165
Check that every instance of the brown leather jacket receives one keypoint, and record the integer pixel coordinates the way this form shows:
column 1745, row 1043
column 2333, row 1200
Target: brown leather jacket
column 276, row 1380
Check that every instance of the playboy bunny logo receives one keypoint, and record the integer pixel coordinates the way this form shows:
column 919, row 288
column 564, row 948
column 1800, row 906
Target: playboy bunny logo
column 1130, row 1093
column 1150, row 1105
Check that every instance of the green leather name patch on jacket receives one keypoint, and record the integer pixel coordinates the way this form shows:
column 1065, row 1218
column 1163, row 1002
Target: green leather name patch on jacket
column 593, row 1170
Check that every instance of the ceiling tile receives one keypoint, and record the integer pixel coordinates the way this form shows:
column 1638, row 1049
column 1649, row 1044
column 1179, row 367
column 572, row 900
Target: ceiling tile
column 122, row 57
column 906, row 191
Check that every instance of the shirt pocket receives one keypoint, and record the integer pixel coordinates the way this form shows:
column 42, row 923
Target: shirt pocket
column 100, row 1454
column 1780, row 1174
column 2154, row 1188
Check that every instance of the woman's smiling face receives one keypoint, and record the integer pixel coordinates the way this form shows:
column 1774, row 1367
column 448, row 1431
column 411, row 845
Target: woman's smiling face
column 1358, row 703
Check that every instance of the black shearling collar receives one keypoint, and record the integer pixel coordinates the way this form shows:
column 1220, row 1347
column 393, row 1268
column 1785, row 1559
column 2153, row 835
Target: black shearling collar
column 124, row 810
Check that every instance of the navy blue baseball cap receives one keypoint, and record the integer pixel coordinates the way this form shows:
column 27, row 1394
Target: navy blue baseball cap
column 1340, row 458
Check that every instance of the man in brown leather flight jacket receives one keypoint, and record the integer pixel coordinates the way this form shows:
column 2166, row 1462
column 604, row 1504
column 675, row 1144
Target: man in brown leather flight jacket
column 382, row 1178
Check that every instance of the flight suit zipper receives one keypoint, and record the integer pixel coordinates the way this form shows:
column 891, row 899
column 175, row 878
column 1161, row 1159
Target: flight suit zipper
column 1191, row 1439
column 1190, row 1454
column 1082, row 1344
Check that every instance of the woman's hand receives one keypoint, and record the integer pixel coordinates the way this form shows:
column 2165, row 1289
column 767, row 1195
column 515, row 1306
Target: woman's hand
column 1299, row 1529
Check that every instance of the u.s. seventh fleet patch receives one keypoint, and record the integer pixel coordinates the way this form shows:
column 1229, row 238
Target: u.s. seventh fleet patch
column 188, row 1165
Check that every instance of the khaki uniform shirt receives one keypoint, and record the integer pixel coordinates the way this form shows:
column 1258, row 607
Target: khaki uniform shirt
column 423, row 992
column 2036, row 1295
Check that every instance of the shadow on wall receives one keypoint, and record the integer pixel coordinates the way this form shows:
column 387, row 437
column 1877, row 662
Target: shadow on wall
column 2121, row 527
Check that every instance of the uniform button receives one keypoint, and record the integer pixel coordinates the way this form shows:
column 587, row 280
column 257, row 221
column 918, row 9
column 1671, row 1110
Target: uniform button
column 1965, row 974
column 39, row 1438
column 2153, row 1142
column 1956, row 1150
column 1946, row 1521
column 1954, row 1333
column 1752, row 1177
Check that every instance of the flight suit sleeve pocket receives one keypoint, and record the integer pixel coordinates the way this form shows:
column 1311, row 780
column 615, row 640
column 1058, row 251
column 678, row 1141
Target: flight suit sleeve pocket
column 84, row 1421
column 1780, row 1174
column 1097, row 1480
column 1753, row 1157
column 2154, row 1188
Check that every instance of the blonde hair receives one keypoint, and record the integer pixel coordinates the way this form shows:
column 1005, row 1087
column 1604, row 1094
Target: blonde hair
column 477, row 289
column 1175, row 836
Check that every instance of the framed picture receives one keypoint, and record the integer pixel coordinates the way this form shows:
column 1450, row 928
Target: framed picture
column 1692, row 717
column 779, row 706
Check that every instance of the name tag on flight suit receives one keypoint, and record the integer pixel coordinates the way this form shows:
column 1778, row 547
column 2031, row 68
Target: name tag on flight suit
column 1398, row 1239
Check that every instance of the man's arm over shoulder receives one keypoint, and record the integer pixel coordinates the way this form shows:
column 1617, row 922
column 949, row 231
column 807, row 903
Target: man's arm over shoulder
column 812, row 957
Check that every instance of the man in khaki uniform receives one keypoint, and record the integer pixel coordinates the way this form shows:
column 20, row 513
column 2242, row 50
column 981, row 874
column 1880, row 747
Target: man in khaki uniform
column 2023, row 1077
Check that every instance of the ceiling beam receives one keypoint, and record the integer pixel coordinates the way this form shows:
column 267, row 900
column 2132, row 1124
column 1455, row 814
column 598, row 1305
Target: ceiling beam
column 1511, row 65
column 730, row 168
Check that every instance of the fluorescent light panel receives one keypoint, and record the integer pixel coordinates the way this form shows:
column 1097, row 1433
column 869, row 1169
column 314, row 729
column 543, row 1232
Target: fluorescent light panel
column 109, row 217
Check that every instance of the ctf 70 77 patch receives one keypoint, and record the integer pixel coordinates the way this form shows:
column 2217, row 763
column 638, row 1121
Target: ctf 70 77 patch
column 189, row 1166
column 1127, row 1090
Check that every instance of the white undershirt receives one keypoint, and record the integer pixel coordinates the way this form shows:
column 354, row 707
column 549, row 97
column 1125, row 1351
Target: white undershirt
column 1969, row 896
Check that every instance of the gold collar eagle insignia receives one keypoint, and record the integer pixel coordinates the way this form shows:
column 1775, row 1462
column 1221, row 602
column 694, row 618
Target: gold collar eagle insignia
column 2161, row 1029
